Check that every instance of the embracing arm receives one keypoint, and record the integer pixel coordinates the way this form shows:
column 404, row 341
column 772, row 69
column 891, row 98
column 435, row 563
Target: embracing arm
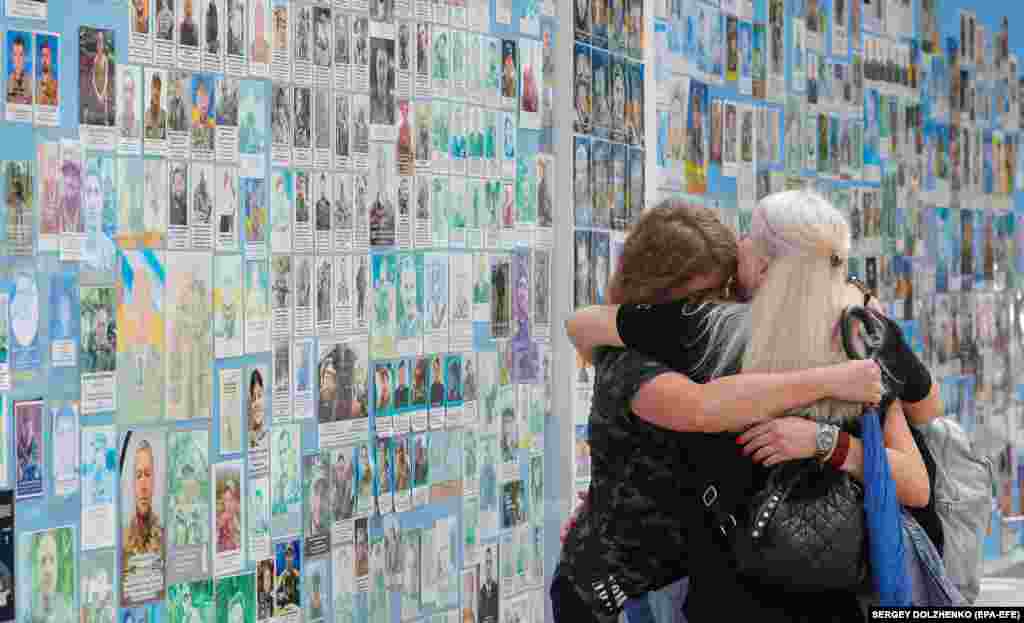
column 591, row 327
column 791, row 438
column 925, row 410
column 908, row 469
column 912, row 380
column 733, row 403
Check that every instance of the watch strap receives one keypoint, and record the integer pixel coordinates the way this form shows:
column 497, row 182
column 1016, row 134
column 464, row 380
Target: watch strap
column 841, row 452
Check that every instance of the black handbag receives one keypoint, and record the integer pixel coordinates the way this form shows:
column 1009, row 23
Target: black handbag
column 805, row 530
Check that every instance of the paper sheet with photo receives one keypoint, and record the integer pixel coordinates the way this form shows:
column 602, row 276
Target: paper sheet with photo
column 227, row 306
column 37, row 595
column 20, row 77
column 281, row 64
column 140, row 345
column 65, row 438
column 97, row 112
column 229, row 382
column 47, row 79
column 188, row 486
column 189, row 343
column 236, row 61
column 32, row 472
column 286, row 487
column 228, row 503
column 253, row 135
column 143, row 466
column 97, row 574
column 317, row 476
column 259, row 518
column 99, row 474
column 257, row 307
column 304, row 295
column 225, row 106
column 98, row 356
column 201, row 192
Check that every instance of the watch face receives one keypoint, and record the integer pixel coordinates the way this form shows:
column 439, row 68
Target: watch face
column 824, row 439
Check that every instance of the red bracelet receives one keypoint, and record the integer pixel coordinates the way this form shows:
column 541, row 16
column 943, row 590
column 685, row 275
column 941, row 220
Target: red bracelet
column 840, row 453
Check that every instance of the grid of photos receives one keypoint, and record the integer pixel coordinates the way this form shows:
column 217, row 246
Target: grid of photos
column 608, row 167
column 914, row 135
column 296, row 266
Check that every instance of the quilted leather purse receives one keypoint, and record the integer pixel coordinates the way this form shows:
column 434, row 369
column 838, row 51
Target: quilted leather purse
column 805, row 530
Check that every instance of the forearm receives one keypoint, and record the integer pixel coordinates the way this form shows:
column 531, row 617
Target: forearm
column 591, row 327
column 731, row 403
column 908, row 472
column 926, row 410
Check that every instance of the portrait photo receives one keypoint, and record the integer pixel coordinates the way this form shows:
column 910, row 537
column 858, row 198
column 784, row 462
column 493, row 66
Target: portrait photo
column 48, row 560
column 96, row 81
column 47, row 68
column 143, row 477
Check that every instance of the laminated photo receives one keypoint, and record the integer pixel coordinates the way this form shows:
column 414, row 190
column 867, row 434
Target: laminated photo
column 188, row 488
column 140, row 352
column 29, row 450
column 48, row 574
column 235, row 599
column 143, row 461
column 189, row 343
column 19, row 75
column 583, row 88
column 286, row 505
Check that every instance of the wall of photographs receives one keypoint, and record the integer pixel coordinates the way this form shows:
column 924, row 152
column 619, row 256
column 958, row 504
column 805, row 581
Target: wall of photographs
column 905, row 114
column 275, row 309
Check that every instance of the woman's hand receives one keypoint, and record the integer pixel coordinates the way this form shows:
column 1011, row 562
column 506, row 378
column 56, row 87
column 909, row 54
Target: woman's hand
column 780, row 440
column 570, row 523
column 855, row 381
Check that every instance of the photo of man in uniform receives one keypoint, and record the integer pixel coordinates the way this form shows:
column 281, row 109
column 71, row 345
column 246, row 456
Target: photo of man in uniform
column 71, row 198
column 144, row 535
column 129, row 125
column 97, row 104
column 140, row 16
column 165, row 20
column 156, row 116
column 188, row 33
column 179, row 196
column 287, row 592
column 487, row 604
column 19, row 81
column 211, row 28
column 47, row 82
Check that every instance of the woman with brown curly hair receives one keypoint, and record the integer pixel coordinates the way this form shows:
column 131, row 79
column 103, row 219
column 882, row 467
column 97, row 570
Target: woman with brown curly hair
column 644, row 510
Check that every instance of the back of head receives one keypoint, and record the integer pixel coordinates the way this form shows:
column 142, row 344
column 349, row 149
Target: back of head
column 668, row 246
column 805, row 243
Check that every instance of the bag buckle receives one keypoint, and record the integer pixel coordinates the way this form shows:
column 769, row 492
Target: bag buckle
column 710, row 495
column 723, row 530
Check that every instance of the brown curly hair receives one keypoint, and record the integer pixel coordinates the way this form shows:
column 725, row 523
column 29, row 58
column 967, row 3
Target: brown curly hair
column 669, row 245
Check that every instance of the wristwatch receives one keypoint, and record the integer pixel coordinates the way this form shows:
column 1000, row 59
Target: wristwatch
column 825, row 441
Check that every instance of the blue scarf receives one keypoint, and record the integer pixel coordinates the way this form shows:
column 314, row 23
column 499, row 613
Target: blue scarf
column 883, row 513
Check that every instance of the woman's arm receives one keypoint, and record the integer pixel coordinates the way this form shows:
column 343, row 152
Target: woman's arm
column 926, row 410
column 789, row 438
column 733, row 403
column 910, row 378
column 591, row 327
column 908, row 470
